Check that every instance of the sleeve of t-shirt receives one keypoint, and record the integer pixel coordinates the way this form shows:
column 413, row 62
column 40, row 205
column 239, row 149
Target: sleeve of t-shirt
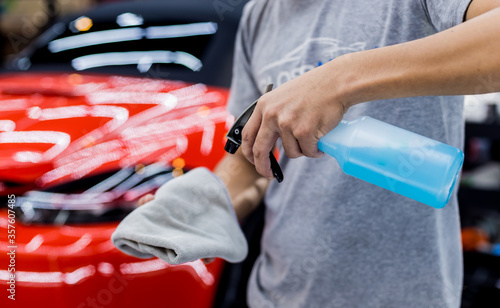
column 445, row 14
column 244, row 89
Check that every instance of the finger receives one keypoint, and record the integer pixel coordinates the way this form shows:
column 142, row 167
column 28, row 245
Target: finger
column 310, row 148
column 141, row 201
column 291, row 145
column 208, row 260
column 249, row 133
column 308, row 143
column 145, row 199
column 264, row 143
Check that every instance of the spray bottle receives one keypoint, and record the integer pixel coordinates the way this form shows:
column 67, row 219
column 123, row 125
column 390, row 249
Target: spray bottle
column 401, row 161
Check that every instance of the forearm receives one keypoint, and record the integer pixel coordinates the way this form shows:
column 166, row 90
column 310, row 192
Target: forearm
column 461, row 60
column 245, row 186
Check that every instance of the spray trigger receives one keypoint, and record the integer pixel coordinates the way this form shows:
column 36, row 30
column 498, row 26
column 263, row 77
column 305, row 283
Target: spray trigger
column 234, row 137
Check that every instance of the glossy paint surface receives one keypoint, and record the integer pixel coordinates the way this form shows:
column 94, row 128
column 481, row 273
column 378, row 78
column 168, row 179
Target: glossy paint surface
column 56, row 129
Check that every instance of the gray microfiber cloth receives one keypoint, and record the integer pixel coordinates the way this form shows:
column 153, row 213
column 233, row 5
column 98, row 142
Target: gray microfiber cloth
column 190, row 218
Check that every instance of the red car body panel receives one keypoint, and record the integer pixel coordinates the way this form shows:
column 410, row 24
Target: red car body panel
column 56, row 122
column 57, row 128
column 78, row 266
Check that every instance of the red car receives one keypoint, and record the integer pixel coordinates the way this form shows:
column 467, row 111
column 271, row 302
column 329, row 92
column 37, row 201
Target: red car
column 79, row 147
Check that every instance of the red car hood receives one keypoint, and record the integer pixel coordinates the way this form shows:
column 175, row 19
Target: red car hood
column 56, row 128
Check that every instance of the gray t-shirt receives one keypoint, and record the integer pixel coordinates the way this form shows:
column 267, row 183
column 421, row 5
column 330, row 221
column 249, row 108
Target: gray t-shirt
column 331, row 240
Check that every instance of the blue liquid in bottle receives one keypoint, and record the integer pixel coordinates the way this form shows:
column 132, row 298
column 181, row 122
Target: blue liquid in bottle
column 396, row 159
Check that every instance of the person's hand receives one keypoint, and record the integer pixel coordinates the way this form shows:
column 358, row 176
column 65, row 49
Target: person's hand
column 300, row 111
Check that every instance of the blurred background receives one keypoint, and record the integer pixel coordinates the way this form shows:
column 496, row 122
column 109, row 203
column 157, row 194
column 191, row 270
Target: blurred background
column 103, row 101
column 24, row 20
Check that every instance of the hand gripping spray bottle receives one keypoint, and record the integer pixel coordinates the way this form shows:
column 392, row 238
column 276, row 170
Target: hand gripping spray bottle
column 401, row 161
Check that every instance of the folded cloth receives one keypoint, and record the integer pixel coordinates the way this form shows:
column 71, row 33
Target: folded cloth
column 191, row 217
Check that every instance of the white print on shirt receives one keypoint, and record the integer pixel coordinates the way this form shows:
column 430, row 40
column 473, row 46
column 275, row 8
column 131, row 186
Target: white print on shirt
column 291, row 65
